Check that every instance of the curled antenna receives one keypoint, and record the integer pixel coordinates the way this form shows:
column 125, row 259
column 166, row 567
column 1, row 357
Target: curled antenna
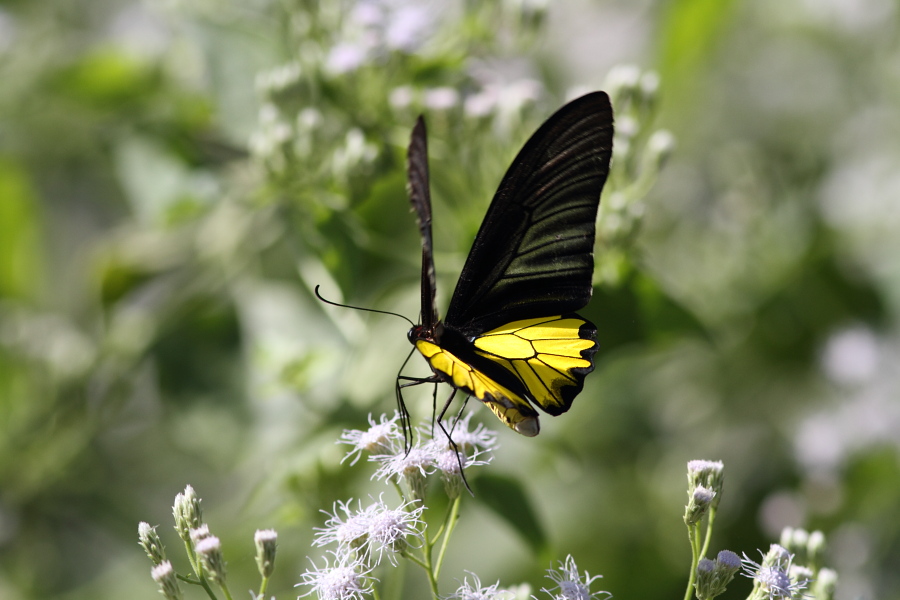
column 372, row 310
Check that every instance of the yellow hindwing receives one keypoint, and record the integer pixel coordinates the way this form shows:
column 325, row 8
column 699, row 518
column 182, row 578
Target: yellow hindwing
column 543, row 353
column 509, row 407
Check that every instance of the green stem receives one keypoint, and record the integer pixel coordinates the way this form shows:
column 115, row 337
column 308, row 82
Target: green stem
column 198, row 571
column 416, row 561
column 693, row 531
column 426, row 552
column 709, row 527
column 262, row 588
column 452, row 518
column 225, row 591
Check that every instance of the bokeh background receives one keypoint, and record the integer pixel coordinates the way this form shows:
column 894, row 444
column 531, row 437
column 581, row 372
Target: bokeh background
column 177, row 175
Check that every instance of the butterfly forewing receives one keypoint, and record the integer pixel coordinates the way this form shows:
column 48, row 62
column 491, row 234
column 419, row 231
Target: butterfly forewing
column 533, row 255
column 420, row 197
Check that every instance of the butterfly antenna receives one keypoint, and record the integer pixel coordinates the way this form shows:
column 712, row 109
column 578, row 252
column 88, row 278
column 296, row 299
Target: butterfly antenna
column 372, row 310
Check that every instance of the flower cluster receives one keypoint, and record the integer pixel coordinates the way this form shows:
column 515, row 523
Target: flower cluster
column 365, row 536
column 448, row 449
column 204, row 551
column 569, row 585
column 374, row 531
column 788, row 571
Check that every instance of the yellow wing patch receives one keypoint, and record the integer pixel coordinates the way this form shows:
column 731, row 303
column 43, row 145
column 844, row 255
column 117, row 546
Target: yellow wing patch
column 510, row 408
column 543, row 353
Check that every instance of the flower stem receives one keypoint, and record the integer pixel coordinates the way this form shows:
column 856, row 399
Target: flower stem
column 709, row 528
column 452, row 518
column 192, row 557
column 262, row 588
column 693, row 531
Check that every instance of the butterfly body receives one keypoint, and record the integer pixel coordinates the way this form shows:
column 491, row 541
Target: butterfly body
column 510, row 337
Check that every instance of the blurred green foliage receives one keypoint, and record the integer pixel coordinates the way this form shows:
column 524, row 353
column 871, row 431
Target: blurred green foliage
column 176, row 177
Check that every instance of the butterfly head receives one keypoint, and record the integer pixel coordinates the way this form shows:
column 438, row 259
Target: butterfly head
column 423, row 332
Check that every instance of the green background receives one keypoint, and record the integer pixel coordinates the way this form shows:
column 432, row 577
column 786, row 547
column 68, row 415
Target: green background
column 176, row 176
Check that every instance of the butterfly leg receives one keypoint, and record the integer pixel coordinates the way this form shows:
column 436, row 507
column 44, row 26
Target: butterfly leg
column 449, row 436
column 405, row 423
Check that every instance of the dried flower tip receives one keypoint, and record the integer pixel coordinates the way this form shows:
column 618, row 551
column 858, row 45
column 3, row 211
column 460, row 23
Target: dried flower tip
column 150, row 542
column 698, row 505
column 728, row 561
column 713, row 577
column 796, row 541
column 164, row 575
column 825, row 584
column 201, row 533
column 266, row 543
column 187, row 512
column 815, row 549
column 660, row 147
column 210, row 551
column 801, row 576
column 705, row 579
column 705, row 472
column 649, row 86
column 622, row 83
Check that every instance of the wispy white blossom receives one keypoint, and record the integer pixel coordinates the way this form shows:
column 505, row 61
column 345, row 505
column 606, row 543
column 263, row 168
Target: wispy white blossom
column 570, row 585
column 343, row 578
column 376, row 529
column 381, row 438
column 476, row 591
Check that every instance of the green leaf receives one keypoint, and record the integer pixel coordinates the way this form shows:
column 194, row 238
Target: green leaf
column 638, row 309
column 507, row 498
column 20, row 256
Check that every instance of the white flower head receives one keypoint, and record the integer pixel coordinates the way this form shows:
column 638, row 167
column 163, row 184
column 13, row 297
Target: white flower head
column 419, row 461
column 381, row 438
column 570, row 585
column 480, row 439
column 476, row 591
column 392, row 529
column 346, row 579
column 377, row 529
column 348, row 531
column 772, row 576
column 411, row 467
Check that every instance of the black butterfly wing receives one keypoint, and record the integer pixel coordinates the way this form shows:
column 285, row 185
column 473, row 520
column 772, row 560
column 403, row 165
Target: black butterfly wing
column 420, row 197
column 533, row 255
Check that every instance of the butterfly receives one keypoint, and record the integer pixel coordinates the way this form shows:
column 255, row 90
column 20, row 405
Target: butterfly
column 511, row 338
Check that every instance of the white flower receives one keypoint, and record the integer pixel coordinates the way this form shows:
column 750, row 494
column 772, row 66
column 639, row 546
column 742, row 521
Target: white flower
column 381, row 438
column 390, row 529
column 772, row 576
column 377, row 528
column 476, row 591
column 441, row 98
column 569, row 583
column 480, row 439
column 347, row 532
column 347, row 579
column 419, row 461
